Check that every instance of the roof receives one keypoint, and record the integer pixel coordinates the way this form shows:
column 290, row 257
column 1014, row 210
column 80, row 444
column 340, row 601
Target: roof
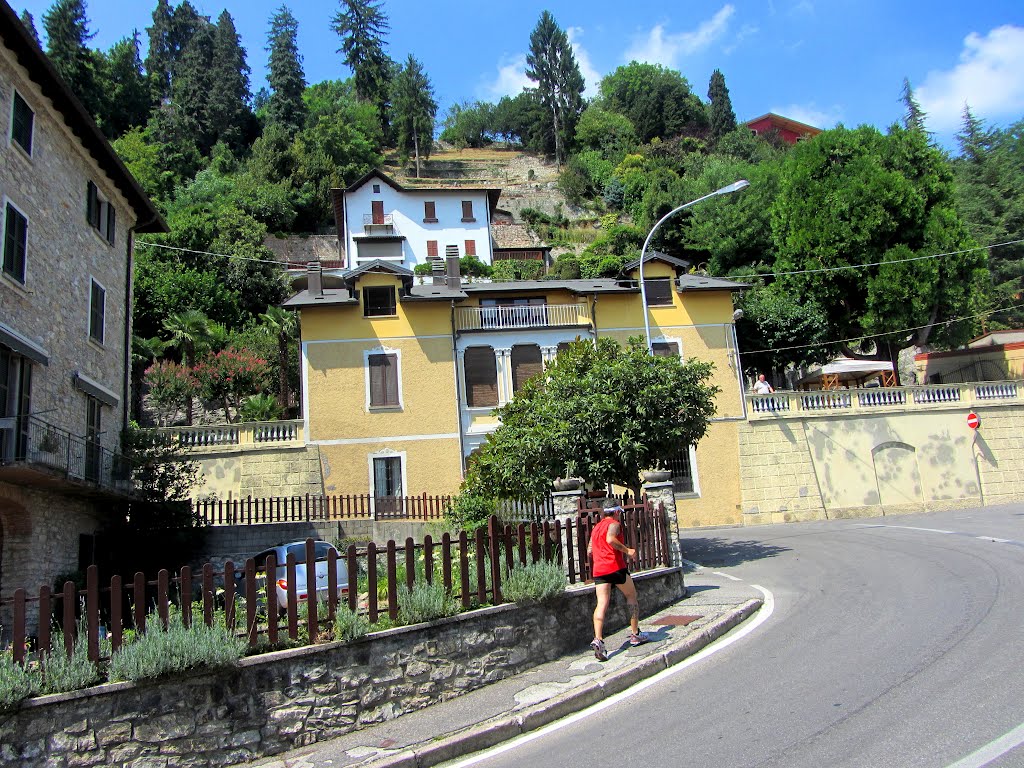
column 378, row 265
column 329, row 297
column 656, row 256
column 997, row 338
column 848, row 369
column 492, row 193
column 44, row 74
column 785, row 122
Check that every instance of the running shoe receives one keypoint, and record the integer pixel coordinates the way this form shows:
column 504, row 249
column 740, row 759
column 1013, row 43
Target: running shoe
column 599, row 652
column 639, row 639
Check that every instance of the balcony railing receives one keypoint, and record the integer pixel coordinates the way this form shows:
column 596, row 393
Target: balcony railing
column 28, row 442
column 251, row 434
column 380, row 227
column 783, row 404
column 521, row 316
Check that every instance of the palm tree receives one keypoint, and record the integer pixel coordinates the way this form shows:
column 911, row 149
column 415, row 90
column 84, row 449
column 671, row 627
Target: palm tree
column 190, row 330
column 144, row 352
column 281, row 324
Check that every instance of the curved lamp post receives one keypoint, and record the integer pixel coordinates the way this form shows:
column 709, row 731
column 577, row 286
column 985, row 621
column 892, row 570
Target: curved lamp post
column 736, row 186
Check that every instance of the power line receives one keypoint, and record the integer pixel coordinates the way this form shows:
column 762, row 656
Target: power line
column 208, row 253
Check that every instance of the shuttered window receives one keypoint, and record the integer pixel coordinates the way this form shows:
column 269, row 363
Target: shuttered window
column 481, row 377
column 431, row 249
column 100, row 213
column 467, row 210
column 526, row 363
column 659, row 291
column 665, row 349
column 15, row 243
column 97, row 310
column 379, row 301
column 22, row 121
column 429, row 212
column 471, row 247
column 383, row 380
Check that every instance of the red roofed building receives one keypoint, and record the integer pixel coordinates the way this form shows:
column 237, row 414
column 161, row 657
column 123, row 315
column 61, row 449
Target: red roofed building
column 790, row 131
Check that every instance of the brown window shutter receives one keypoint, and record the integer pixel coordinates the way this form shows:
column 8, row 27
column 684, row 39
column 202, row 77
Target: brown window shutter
column 471, row 247
column 659, row 291
column 526, row 363
column 665, row 349
column 391, row 380
column 431, row 249
column 467, row 210
column 429, row 211
column 377, row 211
column 383, row 380
column 481, row 377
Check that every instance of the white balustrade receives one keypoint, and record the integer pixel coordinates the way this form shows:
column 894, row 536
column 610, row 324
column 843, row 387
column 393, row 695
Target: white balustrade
column 275, row 431
column 521, row 316
column 943, row 393
column 825, row 400
column 880, row 397
column 231, row 435
column 1000, row 390
column 769, row 403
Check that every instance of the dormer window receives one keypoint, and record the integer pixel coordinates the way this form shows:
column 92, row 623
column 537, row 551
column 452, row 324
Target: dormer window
column 379, row 301
column 659, row 292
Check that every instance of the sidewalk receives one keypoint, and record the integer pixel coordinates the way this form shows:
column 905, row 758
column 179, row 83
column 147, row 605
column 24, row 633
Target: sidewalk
column 505, row 709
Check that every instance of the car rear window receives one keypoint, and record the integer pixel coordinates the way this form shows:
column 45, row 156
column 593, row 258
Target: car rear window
column 320, row 551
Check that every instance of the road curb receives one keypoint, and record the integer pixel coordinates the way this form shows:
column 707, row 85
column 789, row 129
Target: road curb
column 496, row 731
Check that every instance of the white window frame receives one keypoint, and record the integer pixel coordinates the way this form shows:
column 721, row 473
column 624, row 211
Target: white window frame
column 670, row 340
column 3, row 242
column 694, row 475
column 366, row 379
column 88, row 325
column 10, row 136
column 386, row 453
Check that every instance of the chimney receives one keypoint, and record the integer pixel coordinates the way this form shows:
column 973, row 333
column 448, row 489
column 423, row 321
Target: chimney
column 437, row 272
column 314, row 280
column 452, row 277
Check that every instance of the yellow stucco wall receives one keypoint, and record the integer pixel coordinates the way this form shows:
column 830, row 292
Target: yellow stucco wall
column 1002, row 362
column 718, row 480
column 430, row 466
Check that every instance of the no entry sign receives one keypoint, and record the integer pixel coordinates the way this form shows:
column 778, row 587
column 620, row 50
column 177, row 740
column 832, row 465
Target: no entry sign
column 973, row 421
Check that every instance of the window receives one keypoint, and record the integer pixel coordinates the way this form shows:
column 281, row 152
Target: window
column 15, row 243
column 471, row 247
column 467, row 210
column 481, row 377
column 379, row 301
column 387, row 485
column 97, row 308
column 681, row 467
column 431, row 249
column 100, row 213
column 22, row 123
column 659, row 292
column 665, row 349
column 429, row 212
column 383, row 380
column 15, row 402
column 376, row 189
column 527, row 362
column 93, row 431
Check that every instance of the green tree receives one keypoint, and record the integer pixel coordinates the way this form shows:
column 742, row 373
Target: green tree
column 608, row 132
column 362, row 25
column 523, row 119
column 67, row 38
column 285, row 76
column 914, row 117
column 859, row 198
column 658, row 101
column 414, row 110
column 468, row 124
column 128, row 102
column 192, row 88
column 560, row 84
column 230, row 376
column 30, row 25
column 228, row 107
column 282, row 326
column 189, row 331
column 723, row 119
column 601, row 412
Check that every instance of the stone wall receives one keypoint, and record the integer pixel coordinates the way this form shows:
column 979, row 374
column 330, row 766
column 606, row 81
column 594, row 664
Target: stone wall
column 279, row 701
column 235, row 473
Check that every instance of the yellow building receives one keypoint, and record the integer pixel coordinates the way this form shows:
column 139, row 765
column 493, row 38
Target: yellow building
column 401, row 378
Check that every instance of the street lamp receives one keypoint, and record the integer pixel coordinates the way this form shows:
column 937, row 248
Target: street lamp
column 736, row 186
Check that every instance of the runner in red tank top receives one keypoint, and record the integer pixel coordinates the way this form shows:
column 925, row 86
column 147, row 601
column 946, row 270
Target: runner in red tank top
column 610, row 552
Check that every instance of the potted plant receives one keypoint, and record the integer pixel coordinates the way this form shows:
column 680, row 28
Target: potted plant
column 49, row 442
column 657, row 474
column 570, row 481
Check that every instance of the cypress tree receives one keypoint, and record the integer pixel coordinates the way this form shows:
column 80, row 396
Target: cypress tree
column 285, row 76
column 361, row 24
column 228, row 108
column 414, row 110
column 161, row 53
column 914, row 117
column 30, row 25
column 191, row 90
column 723, row 119
column 553, row 67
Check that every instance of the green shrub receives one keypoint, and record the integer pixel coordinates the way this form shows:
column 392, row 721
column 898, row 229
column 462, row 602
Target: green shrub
column 425, row 602
column 262, row 407
column 350, row 625
column 469, row 511
column 61, row 673
column 507, row 270
column 16, row 682
column 160, row 651
column 534, row 582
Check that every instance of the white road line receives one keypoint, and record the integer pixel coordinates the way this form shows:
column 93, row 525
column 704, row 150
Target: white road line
column 726, row 575
column 936, row 530
column 993, row 750
column 993, row 538
column 913, row 528
column 691, row 564
column 762, row 615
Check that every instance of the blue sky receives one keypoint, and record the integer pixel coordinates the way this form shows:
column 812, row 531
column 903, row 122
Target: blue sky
column 815, row 61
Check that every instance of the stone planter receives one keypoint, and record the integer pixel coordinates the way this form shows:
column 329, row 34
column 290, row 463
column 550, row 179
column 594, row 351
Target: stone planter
column 656, row 475
column 567, row 484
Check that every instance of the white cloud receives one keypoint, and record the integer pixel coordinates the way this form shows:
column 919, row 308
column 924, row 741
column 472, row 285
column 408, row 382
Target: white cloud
column 509, row 81
column 810, row 114
column 658, row 47
column 747, row 30
column 989, row 77
column 590, row 75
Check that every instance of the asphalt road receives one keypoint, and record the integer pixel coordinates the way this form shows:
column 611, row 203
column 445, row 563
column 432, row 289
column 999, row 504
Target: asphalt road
column 895, row 641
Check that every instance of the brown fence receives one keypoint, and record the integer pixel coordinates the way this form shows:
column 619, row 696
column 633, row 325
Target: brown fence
column 300, row 509
column 471, row 567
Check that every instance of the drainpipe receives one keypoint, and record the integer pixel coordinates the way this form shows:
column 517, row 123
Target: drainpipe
column 458, row 395
column 593, row 315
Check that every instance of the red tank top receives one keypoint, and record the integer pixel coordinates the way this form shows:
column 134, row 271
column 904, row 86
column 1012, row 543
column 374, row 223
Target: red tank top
column 606, row 559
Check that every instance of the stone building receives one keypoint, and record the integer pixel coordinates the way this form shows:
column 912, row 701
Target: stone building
column 69, row 211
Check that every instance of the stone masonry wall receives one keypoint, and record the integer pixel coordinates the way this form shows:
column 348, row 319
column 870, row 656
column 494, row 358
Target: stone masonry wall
column 238, row 473
column 287, row 699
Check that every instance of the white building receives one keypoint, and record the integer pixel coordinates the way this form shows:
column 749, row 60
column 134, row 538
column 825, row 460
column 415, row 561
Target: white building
column 380, row 219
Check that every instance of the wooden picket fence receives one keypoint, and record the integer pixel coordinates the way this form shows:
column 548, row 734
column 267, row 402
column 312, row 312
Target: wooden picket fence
column 471, row 567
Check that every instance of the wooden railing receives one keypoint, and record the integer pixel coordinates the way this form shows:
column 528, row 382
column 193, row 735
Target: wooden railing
column 927, row 397
column 521, row 316
column 252, row 433
column 472, row 568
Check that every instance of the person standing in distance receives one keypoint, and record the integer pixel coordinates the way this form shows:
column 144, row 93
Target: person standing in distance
column 609, row 552
column 762, row 387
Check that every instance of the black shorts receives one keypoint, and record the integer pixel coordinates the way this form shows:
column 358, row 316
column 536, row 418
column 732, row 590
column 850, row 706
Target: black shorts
column 616, row 577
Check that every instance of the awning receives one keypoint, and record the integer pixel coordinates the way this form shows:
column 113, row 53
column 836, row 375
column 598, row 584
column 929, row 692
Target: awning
column 93, row 389
column 14, row 340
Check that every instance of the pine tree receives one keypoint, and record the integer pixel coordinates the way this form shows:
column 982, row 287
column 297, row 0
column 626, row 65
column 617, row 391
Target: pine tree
column 227, row 106
column 285, row 75
column 30, row 25
column 414, row 110
column 168, row 37
column 67, row 33
column 191, row 90
column 914, row 117
column 128, row 101
column 723, row 119
column 361, row 24
column 974, row 140
column 553, row 67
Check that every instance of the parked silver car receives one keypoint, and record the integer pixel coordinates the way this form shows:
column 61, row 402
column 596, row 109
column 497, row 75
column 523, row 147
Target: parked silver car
column 302, row 585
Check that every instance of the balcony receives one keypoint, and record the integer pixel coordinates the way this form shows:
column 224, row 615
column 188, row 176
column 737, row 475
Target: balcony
column 34, row 453
column 379, row 226
column 884, row 399
column 235, row 437
column 521, row 317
